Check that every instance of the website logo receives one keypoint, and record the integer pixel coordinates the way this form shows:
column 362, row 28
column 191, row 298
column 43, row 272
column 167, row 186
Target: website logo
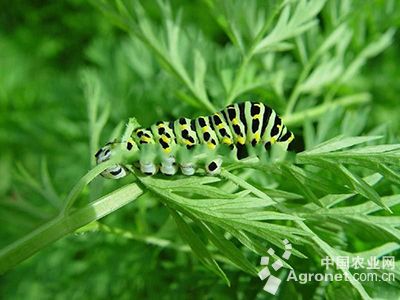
column 273, row 282
column 363, row 269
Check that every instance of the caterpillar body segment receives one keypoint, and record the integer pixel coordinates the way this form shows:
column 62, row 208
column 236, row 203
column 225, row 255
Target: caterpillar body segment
column 206, row 133
column 170, row 146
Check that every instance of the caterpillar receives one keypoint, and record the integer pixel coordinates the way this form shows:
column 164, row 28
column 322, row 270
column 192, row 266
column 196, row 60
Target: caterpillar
column 238, row 127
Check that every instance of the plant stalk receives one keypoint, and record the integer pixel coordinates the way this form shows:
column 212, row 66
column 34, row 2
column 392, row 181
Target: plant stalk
column 62, row 225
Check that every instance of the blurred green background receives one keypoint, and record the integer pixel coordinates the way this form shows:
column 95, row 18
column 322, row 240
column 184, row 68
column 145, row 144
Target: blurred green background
column 49, row 49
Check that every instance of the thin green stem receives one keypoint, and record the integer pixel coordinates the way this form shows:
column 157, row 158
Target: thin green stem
column 296, row 90
column 151, row 240
column 157, row 242
column 232, row 92
column 247, row 57
column 62, row 225
column 243, row 183
column 315, row 112
column 294, row 97
column 332, row 254
column 84, row 181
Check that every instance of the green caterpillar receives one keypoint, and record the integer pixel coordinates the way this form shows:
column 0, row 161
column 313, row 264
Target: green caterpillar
column 238, row 127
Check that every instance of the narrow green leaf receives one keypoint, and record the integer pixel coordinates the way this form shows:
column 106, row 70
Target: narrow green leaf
column 228, row 249
column 362, row 187
column 198, row 246
column 338, row 143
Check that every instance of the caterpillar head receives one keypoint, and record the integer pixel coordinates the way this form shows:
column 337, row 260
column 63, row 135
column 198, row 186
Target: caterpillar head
column 109, row 150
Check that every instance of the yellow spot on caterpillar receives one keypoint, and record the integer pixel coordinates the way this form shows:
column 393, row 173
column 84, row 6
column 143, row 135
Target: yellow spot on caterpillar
column 257, row 136
column 165, row 139
column 167, row 150
column 219, row 126
column 273, row 140
column 210, row 146
column 241, row 140
column 257, row 116
column 226, row 140
column 235, row 121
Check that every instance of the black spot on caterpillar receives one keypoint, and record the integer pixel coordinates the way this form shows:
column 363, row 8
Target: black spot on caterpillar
column 238, row 126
